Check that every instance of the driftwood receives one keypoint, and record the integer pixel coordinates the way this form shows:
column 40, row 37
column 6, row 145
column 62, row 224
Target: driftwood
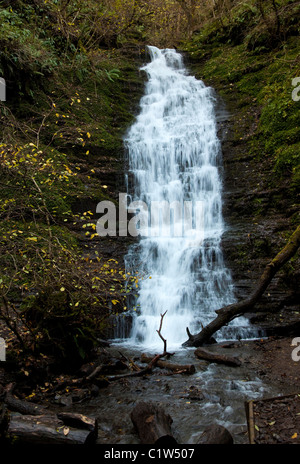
column 152, row 423
column 215, row 435
column 202, row 353
column 179, row 368
column 46, row 429
column 230, row 312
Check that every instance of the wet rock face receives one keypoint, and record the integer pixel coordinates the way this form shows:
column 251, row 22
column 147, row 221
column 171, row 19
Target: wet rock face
column 258, row 219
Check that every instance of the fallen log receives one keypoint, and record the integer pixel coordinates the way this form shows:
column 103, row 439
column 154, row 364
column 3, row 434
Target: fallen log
column 215, row 435
column 24, row 407
column 152, row 423
column 182, row 368
column 79, row 421
column 202, row 353
column 46, row 429
column 230, row 312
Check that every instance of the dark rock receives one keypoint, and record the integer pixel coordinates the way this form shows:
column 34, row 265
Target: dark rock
column 215, row 435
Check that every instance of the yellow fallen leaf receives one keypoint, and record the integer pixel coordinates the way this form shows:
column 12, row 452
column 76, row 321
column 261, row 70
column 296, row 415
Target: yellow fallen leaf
column 32, row 239
column 295, row 435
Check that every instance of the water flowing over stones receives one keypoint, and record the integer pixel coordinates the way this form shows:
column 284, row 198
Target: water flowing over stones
column 174, row 156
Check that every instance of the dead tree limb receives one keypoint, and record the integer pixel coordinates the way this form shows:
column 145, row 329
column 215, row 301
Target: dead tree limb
column 165, row 353
column 182, row 368
column 159, row 331
column 152, row 363
column 230, row 312
column 139, row 373
column 201, row 353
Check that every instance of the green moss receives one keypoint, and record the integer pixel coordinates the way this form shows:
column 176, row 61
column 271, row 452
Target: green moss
column 259, row 86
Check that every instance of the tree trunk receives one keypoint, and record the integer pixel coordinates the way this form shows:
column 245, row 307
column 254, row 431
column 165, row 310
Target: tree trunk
column 48, row 430
column 152, row 423
column 201, row 353
column 228, row 313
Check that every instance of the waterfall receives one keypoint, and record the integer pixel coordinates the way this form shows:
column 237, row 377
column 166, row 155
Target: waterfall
column 174, row 158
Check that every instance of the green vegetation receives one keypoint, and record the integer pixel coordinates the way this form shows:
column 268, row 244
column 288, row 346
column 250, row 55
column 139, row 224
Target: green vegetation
column 61, row 133
column 251, row 57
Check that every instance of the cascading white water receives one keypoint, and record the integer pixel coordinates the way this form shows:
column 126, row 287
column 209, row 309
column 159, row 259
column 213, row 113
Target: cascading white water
column 174, row 155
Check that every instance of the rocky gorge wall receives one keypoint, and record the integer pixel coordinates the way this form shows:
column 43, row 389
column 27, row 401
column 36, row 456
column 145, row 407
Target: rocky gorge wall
column 258, row 221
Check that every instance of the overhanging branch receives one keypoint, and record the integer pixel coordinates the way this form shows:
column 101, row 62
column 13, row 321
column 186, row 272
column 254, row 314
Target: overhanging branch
column 230, row 312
